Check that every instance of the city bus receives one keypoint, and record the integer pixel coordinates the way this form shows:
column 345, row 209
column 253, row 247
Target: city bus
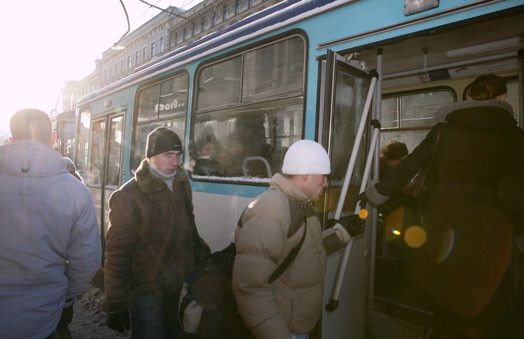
column 305, row 70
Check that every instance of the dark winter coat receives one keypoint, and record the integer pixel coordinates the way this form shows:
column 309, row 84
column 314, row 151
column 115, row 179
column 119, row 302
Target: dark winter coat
column 149, row 241
column 476, row 184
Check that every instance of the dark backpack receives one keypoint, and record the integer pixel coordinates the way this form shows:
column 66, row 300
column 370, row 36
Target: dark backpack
column 209, row 284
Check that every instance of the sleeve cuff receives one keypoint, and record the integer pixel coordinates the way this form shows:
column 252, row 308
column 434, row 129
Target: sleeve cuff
column 373, row 195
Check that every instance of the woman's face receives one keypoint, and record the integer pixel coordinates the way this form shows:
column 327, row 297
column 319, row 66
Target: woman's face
column 208, row 150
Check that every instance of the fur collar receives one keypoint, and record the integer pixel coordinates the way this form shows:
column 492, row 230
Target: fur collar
column 290, row 190
column 149, row 183
column 444, row 111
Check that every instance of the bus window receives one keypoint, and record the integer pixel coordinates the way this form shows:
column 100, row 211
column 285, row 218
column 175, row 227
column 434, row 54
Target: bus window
column 96, row 162
column 162, row 104
column 408, row 117
column 115, row 151
column 83, row 143
column 264, row 96
column 219, row 84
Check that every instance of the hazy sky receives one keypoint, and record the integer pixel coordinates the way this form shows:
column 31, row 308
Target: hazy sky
column 45, row 42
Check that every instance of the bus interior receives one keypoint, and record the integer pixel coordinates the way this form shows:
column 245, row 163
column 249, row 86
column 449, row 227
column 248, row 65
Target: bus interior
column 420, row 74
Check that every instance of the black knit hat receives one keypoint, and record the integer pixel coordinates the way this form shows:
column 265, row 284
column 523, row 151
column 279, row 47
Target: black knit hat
column 162, row 139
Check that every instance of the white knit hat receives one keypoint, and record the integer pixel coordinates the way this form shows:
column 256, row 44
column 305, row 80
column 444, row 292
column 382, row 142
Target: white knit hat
column 306, row 157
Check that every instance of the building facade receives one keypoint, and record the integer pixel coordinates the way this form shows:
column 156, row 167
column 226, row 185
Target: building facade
column 169, row 30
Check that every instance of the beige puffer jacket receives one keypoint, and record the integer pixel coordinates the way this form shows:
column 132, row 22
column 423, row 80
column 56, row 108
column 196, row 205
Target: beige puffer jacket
column 292, row 303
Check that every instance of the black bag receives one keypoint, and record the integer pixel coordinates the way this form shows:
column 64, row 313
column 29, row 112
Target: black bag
column 417, row 185
column 209, row 285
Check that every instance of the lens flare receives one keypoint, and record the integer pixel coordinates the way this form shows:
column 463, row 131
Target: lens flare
column 396, row 232
column 415, row 236
column 448, row 242
column 363, row 214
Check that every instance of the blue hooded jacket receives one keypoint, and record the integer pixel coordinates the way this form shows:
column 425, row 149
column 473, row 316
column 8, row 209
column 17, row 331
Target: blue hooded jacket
column 49, row 239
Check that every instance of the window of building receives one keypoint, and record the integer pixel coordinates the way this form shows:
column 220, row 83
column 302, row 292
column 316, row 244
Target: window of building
column 203, row 24
column 137, row 58
column 129, row 60
column 407, row 117
column 251, row 3
column 152, row 48
column 237, row 6
column 213, row 19
column 116, row 69
column 144, row 55
column 249, row 121
column 224, row 13
column 161, row 45
column 193, row 29
column 162, row 104
column 184, row 34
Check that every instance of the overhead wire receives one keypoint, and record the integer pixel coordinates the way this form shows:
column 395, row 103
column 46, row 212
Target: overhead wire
column 162, row 9
column 128, row 24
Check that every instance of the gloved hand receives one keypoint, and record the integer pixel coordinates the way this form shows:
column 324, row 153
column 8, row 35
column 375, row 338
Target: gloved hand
column 65, row 319
column 351, row 223
column 118, row 321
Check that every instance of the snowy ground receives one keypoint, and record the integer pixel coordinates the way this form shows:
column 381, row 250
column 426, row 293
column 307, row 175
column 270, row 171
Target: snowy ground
column 89, row 321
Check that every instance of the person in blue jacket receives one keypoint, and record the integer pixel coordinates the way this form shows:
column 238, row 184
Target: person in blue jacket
column 49, row 239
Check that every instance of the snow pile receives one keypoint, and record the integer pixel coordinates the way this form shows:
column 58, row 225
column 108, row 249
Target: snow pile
column 89, row 321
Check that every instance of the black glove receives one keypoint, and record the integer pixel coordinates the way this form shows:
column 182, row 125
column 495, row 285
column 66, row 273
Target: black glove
column 66, row 318
column 362, row 200
column 118, row 321
column 351, row 223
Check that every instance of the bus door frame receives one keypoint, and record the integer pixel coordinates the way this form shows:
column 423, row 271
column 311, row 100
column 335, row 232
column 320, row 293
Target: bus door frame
column 325, row 134
column 107, row 134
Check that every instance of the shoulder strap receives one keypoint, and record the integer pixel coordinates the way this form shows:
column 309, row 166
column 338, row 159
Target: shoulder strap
column 291, row 256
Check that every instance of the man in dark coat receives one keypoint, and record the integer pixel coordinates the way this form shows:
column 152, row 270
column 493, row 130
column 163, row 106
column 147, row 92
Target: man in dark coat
column 476, row 188
column 150, row 242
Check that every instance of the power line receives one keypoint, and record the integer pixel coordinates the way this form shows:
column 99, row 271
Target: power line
column 163, row 10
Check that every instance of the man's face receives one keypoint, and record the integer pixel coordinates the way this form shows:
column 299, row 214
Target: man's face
column 314, row 185
column 166, row 162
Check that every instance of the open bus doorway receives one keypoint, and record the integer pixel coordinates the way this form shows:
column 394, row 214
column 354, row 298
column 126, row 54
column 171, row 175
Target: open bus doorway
column 421, row 74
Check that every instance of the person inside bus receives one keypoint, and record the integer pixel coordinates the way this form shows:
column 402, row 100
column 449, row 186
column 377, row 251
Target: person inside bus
column 274, row 223
column 71, row 168
column 248, row 141
column 206, row 162
column 49, row 241
column 476, row 188
column 391, row 155
column 152, row 242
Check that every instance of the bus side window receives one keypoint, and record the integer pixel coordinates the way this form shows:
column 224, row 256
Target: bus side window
column 249, row 109
column 407, row 117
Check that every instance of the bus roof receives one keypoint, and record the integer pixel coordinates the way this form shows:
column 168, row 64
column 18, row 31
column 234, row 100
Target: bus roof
column 279, row 15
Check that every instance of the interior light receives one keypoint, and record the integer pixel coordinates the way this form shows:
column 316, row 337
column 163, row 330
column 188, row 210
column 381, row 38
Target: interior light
column 482, row 48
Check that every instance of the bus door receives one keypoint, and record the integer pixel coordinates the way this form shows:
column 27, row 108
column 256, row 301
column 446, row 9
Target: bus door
column 104, row 165
column 342, row 98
